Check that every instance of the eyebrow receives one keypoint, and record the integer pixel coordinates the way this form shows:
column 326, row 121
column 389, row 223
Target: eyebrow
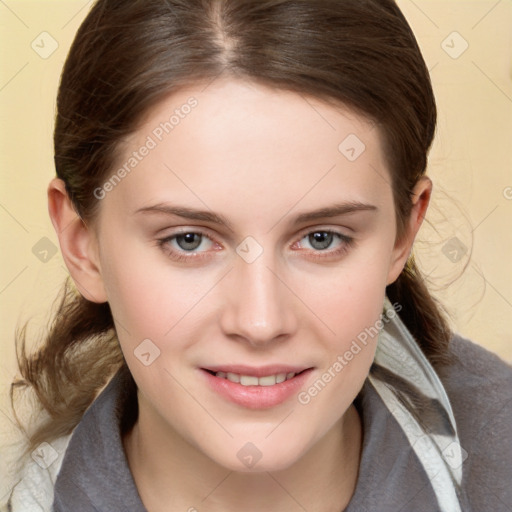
column 209, row 216
column 186, row 213
column 335, row 211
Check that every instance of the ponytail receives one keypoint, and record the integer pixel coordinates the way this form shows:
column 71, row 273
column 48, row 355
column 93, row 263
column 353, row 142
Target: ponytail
column 423, row 316
column 79, row 355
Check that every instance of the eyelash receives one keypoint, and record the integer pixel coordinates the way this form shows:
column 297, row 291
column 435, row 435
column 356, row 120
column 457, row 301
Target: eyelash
column 347, row 243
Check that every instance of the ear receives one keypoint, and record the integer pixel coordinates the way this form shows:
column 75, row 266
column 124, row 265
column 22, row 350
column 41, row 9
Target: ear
column 420, row 200
column 77, row 243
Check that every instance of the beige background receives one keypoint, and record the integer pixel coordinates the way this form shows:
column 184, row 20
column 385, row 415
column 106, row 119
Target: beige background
column 471, row 165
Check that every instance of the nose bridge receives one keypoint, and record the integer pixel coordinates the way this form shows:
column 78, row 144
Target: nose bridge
column 258, row 307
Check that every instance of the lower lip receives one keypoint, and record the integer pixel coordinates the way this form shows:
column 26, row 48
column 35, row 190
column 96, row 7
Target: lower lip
column 257, row 397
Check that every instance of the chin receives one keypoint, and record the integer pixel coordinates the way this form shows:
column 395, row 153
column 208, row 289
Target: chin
column 258, row 458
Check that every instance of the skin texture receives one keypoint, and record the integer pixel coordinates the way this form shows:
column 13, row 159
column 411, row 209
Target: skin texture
column 258, row 157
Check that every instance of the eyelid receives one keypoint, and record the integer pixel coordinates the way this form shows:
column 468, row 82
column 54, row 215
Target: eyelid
column 181, row 255
column 322, row 229
column 164, row 243
column 346, row 244
column 199, row 230
column 182, row 232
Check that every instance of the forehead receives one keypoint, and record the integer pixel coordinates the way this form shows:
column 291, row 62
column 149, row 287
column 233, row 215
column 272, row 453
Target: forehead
column 254, row 113
column 238, row 140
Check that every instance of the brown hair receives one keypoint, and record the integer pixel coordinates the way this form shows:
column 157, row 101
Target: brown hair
column 127, row 56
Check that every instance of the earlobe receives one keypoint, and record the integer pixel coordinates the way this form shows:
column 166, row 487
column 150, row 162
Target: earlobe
column 77, row 243
column 403, row 248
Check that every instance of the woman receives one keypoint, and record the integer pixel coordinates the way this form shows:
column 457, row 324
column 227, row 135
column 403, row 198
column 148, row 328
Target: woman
column 239, row 185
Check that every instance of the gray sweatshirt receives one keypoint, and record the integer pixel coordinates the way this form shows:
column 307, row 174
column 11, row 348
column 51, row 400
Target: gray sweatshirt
column 94, row 474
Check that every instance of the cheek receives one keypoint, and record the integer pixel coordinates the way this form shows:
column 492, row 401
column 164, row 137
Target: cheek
column 135, row 298
column 147, row 295
column 348, row 298
column 152, row 307
column 351, row 310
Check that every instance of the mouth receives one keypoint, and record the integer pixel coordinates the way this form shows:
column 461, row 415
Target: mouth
column 253, row 380
column 256, row 388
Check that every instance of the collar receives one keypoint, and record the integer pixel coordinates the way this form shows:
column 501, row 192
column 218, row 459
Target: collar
column 95, row 475
column 414, row 395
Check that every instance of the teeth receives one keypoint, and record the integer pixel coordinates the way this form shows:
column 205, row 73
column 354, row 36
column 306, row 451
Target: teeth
column 250, row 380
column 267, row 381
column 280, row 377
column 246, row 380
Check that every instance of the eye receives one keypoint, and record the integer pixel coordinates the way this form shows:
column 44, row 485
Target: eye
column 188, row 245
column 324, row 243
column 188, row 241
column 323, row 240
column 320, row 240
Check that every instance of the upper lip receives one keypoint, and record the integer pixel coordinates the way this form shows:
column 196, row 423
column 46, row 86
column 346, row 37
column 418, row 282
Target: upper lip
column 261, row 371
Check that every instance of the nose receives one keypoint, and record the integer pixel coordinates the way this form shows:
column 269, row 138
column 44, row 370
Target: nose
column 258, row 308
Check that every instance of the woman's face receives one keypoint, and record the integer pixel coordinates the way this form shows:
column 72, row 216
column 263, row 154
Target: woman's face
column 252, row 232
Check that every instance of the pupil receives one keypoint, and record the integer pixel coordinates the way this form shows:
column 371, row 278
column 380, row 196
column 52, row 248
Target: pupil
column 189, row 241
column 320, row 240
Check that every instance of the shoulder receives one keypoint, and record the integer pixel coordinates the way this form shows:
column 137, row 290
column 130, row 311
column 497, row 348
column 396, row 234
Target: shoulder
column 34, row 491
column 479, row 386
column 479, row 370
column 477, row 378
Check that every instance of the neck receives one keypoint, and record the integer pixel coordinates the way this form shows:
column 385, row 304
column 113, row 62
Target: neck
column 171, row 474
